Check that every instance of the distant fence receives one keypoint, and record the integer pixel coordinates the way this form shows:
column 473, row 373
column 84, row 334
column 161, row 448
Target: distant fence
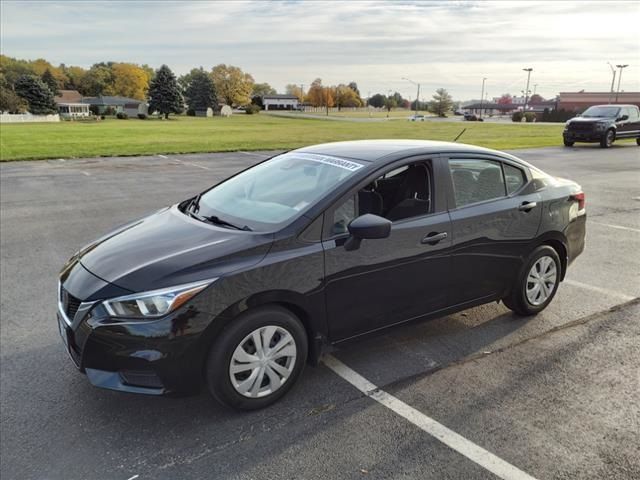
column 27, row 117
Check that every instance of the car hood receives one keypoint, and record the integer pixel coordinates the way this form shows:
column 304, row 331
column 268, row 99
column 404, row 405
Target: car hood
column 590, row 119
column 170, row 248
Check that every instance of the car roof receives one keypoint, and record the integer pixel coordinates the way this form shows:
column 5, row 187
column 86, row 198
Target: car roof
column 616, row 105
column 381, row 151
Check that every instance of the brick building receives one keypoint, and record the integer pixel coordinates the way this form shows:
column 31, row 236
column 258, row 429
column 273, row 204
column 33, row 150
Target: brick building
column 580, row 101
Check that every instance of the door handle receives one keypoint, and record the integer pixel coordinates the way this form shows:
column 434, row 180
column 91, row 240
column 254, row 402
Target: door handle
column 526, row 206
column 433, row 238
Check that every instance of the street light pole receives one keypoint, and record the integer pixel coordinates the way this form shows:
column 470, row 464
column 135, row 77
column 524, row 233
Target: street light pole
column 613, row 81
column 619, row 79
column 482, row 96
column 417, row 95
column 526, row 92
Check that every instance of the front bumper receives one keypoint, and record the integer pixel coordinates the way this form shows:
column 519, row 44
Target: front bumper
column 157, row 357
column 582, row 136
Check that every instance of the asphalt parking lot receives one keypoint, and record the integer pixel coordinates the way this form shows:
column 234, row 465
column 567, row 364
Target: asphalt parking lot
column 556, row 396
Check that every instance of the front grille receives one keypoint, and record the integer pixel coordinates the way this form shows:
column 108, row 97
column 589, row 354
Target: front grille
column 580, row 127
column 70, row 304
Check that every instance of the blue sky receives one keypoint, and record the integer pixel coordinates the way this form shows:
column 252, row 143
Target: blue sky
column 440, row 44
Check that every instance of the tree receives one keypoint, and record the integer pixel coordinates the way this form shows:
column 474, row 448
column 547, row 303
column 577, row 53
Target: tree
column 441, row 103
column 345, row 96
column 233, row 86
column 316, row 93
column 10, row 102
column 262, row 89
column 377, row 100
column 129, row 80
column 390, row 103
column 50, row 81
column 97, row 81
column 296, row 90
column 505, row 99
column 200, row 93
column 74, row 76
column 34, row 91
column 535, row 98
column 354, row 86
column 164, row 93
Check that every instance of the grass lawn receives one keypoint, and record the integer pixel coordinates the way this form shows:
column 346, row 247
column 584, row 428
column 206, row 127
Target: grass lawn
column 242, row 132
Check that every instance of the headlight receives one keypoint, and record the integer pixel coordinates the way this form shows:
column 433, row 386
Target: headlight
column 155, row 303
column 601, row 126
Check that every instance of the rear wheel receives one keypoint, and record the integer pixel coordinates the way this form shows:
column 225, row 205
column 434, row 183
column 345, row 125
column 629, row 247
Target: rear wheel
column 568, row 143
column 257, row 359
column 608, row 138
column 537, row 283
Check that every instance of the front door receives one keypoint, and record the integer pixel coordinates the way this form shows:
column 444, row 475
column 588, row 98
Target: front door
column 391, row 280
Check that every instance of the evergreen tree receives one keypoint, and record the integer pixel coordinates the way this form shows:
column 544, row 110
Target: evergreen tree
column 164, row 93
column 441, row 103
column 37, row 95
column 200, row 93
column 50, row 81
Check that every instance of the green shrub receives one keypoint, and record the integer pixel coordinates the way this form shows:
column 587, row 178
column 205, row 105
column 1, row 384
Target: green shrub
column 530, row 117
column 191, row 112
column 557, row 115
column 109, row 111
column 142, row 116
column 122, row 116
column 252, row 109
column 516, row 116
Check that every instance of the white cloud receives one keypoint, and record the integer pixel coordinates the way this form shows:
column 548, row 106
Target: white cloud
column 449, row 44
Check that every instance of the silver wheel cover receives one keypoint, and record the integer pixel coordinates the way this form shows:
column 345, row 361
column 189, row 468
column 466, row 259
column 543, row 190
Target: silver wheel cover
column 541, row 280
column 263, row 361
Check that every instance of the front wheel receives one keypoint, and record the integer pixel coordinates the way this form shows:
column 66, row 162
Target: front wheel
column 608, row 138
column 638, row 141
column 568, row 143
column 257, row 358
column 537, row 283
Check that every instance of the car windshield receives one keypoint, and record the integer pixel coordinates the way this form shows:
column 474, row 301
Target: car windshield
column 601, row 112
column 276, row 191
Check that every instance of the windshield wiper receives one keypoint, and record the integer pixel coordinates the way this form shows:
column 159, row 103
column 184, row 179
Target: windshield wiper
column 194, row 206
column 219, row 221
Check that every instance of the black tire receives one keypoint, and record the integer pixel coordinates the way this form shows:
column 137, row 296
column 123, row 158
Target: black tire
column 517, row 300
column 568, row 143
column 217, row 373
column 608, row 138
column 638, row 141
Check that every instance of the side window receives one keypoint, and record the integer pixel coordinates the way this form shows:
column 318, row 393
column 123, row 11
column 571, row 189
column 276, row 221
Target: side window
column 403, row 192
column 632, row 113
column 476, row 180
column 514, row 177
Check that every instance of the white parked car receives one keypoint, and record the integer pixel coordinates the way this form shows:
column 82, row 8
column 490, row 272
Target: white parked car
column 416, row 118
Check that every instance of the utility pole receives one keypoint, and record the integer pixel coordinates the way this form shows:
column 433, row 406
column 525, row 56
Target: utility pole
column 619, row 79
column 613, row 81
column 417, row 95
column 535, row 87
column 526, row 92
column 482, row 96
column 301, row 95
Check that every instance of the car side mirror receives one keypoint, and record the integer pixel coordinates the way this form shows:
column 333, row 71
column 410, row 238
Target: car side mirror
column 622, row 118
column 367, row 226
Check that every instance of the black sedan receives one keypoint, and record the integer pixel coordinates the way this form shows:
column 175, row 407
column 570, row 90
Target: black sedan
column 240, row 286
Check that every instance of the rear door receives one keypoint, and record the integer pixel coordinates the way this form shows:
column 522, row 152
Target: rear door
column 390, row 280
column 495, row 216
column 630, row 127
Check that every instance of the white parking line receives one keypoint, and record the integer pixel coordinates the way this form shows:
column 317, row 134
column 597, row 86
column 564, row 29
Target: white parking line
column 192, row 164
column 619, row 227
column 604, row 291
column 473, row 452
column 253, row 154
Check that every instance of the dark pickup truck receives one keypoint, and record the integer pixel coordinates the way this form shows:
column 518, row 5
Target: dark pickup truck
column 603, row 124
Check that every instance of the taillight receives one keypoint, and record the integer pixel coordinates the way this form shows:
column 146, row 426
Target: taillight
column 580, row 198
